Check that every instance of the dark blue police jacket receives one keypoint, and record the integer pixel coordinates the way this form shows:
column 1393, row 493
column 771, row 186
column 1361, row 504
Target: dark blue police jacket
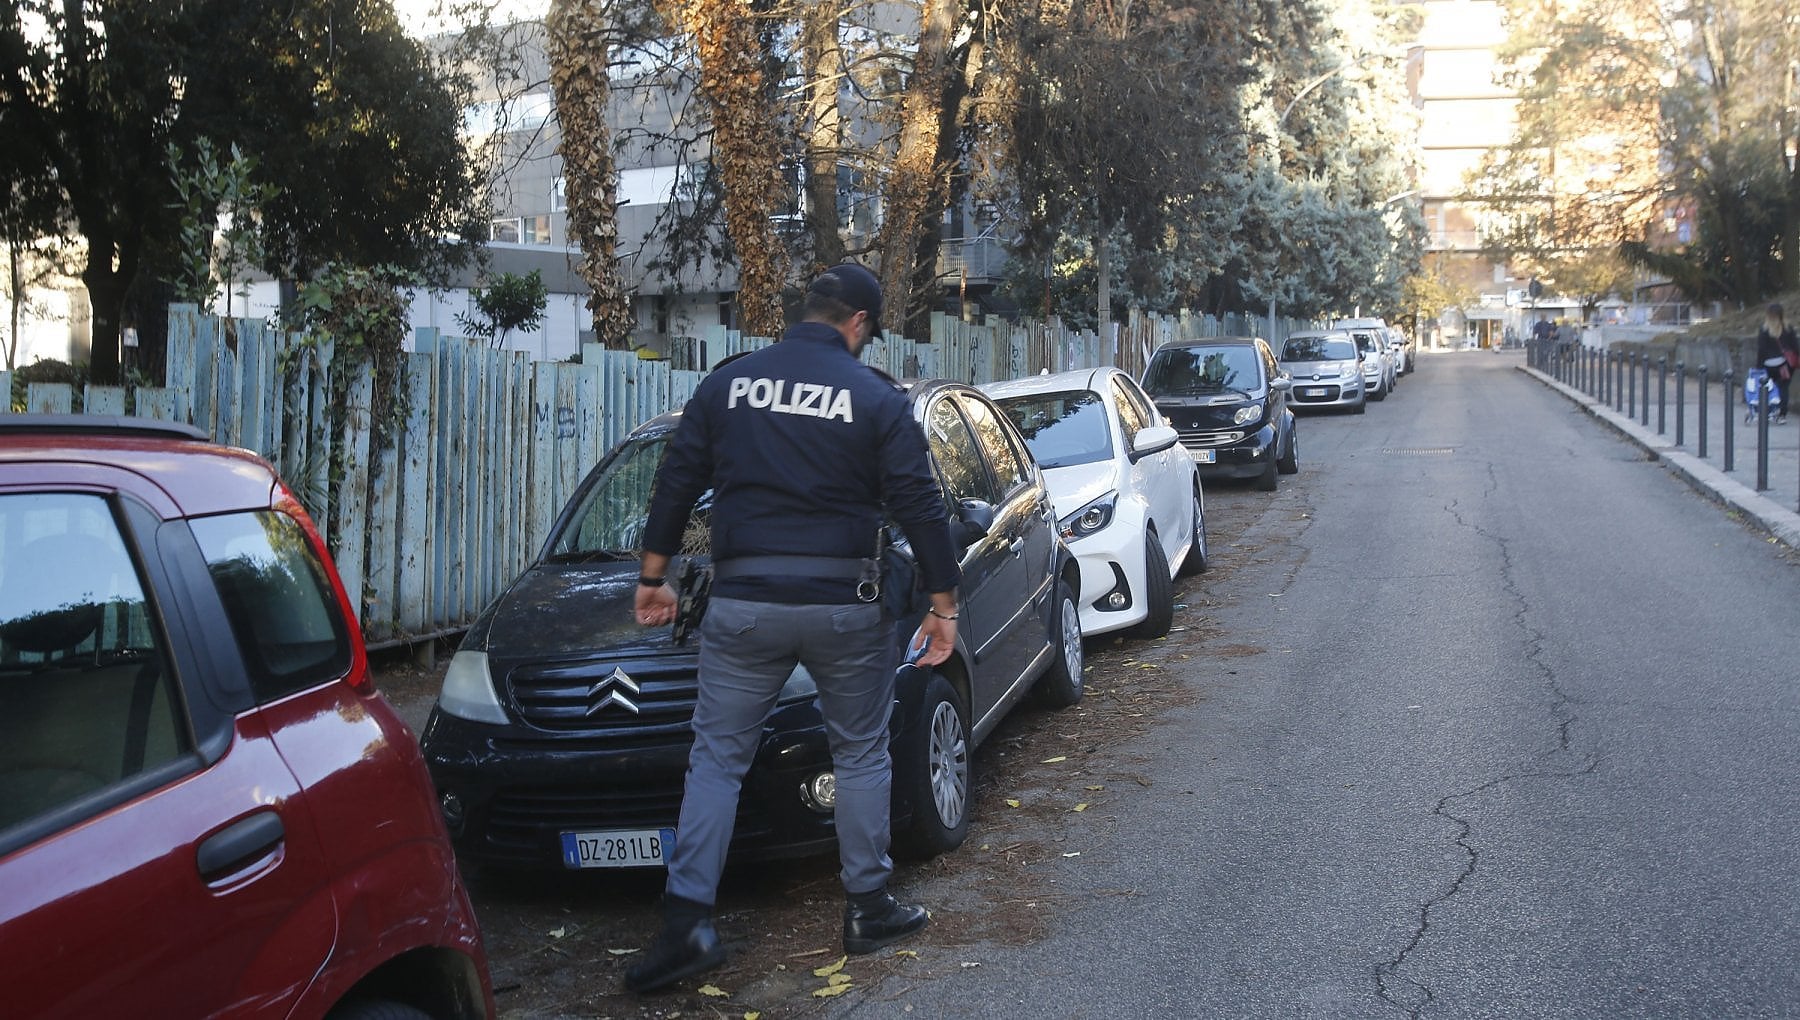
column 803, row 445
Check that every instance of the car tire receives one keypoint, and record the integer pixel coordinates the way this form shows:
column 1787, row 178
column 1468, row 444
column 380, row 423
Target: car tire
column 1290, row 463
column 1267, row 482
column 377, row 1009
column 1378, row 393
column 1362, row 406
column 1159, row 597
column 938, row 775
column 1063, row 683
column 1195, row 561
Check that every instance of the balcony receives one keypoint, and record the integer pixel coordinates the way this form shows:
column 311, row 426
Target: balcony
column 983, row 258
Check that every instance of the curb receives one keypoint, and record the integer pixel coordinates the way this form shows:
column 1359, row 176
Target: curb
column 1779, row 522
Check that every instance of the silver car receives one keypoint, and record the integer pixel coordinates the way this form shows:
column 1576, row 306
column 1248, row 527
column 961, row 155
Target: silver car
column 1327, row 370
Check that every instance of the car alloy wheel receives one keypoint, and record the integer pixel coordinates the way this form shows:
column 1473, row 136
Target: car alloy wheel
column 1062, row 684
column 936, row 775
column 1196, row 559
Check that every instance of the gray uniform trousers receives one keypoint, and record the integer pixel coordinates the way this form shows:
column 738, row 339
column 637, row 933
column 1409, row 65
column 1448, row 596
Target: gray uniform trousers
column 747, row 652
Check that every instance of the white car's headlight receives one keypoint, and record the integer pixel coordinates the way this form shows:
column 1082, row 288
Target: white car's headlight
column 1247, row 413
column 469, row 690
column 1089, row 519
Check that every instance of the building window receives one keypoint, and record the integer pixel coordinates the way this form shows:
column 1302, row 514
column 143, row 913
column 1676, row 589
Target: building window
column 534, row 229
column 505, row 231
column 559, row 197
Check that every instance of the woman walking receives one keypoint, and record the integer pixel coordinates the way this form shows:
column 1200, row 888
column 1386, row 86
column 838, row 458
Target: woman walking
column 1778, row 351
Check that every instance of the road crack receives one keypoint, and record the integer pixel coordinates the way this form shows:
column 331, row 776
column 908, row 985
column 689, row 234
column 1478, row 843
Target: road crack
column 1562, row 761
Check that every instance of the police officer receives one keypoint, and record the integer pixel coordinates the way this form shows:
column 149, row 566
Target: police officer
column 804, row 448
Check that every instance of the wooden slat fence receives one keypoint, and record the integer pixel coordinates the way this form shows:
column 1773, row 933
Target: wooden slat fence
column 431, row 525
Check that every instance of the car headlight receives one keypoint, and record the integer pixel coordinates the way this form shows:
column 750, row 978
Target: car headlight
column 1247, row 413
column 469, row 690
column 1348, row 370
column 1088, row 519
column 800, row 686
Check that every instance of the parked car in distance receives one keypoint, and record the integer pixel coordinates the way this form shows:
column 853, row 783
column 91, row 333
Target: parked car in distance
column 561, row 736
column 1128, row 499
column 1372, row 333
column 205, row 807
column 1326, row 367
column 1401, row 346
column 1228, row 400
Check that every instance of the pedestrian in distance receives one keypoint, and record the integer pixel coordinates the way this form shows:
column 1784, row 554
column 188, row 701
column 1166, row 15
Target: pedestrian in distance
column 1778, row 351
column 805, row 449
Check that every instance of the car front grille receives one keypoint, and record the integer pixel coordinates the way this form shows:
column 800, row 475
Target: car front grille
column 1201, row 439
column 607, row 696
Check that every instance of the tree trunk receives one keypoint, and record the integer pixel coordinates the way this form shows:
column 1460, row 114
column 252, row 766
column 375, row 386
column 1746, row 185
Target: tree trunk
column 745, row 147
column 106, row 292
column 578, row 42
column 917, row 182
column 824, row 67
column 1104, row 268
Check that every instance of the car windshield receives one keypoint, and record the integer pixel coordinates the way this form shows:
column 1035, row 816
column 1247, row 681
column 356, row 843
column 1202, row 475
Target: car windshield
column 609, row 524
column 1062, row 428
column 1366, row 341
column 1183, row 371
column 1318, row 348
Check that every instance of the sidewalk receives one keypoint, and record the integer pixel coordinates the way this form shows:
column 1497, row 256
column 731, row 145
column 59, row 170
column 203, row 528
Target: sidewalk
column 1774, row 510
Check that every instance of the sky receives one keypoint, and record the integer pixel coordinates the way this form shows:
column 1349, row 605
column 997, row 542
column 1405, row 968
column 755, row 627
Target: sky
column 431, row 17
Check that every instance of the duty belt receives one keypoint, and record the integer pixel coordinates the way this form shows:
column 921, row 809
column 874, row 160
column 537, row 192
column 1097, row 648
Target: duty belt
column 866, row 572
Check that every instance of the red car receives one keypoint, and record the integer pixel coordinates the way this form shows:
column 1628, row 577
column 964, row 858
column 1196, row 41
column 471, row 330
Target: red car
column 205, row 807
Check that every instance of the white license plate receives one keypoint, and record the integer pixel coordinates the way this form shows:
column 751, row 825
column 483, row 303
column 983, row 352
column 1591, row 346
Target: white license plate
column 1313, row 392
column 621, row 848
column 1205, row 456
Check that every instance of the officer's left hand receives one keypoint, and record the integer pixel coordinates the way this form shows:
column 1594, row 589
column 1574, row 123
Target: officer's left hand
column 655, row 607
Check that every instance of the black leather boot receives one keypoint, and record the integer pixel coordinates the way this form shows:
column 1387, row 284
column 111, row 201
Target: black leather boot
column 876, row 919
column 687, row 946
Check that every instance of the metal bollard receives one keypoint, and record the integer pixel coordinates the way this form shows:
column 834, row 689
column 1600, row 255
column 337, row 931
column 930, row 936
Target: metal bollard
column 1702, row 412
column 1680, row 403
column 1730, row 421
column 1762, row 438
column 1619, row 383
column 1646, row 419
column 1662, row 394
column 1631, row 387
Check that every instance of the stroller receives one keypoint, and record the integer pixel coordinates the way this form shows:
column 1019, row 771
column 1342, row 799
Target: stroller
column 1757, row 381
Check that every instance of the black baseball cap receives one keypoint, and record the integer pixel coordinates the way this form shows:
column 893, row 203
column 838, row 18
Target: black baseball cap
column 855, row 287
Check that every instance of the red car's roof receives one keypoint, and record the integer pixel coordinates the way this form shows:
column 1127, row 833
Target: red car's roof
column 165, row 465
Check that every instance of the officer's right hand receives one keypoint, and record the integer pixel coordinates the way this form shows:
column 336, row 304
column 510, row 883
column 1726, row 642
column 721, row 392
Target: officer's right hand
column 937, row 636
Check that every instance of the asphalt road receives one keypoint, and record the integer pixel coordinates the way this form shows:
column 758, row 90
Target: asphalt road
column 1493, row 716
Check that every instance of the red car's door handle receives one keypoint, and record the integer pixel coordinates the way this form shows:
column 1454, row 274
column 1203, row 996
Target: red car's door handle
column 240, row 844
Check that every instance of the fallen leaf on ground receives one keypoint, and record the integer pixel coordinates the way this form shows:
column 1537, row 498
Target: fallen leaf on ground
column 1010, row 802
column 838, row 979
column 830, row 968
column 1053, row 761
column 914, row 953
column 1095, row 787
column 1076, row 853
column 621, row 952
column 714, row 991
column 1080, row 807
column 830, row 990
column 557, row 933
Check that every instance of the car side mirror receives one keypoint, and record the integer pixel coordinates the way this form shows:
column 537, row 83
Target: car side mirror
column 1282, row 382
column 1154, row 439
column 974, row 519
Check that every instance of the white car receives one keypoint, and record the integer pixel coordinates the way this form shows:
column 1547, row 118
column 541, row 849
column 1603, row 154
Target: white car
column 1378, row 363
column 1127, row 495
